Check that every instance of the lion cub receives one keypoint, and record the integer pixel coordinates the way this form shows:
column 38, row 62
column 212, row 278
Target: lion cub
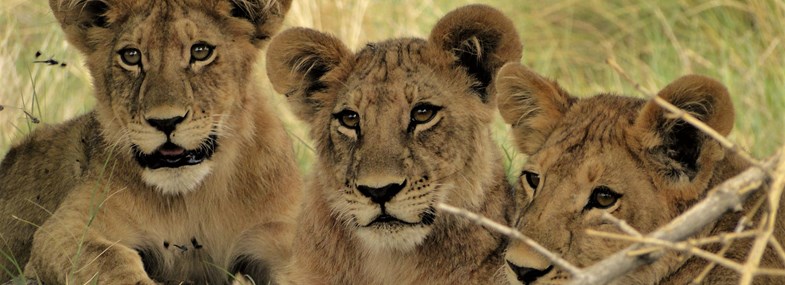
column 618, row 155
column 181, row 174
column 399, row 126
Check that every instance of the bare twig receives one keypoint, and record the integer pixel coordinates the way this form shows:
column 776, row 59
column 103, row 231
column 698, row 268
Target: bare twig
column 483, row 221
column 740, row 226
column 689, row 246
column 622, row 225
column 777, row 248
column 709, row 267
column 727, row 196
column 681, row 114
column 759, row 246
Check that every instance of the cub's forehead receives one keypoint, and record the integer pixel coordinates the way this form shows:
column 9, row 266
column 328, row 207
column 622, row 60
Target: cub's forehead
column 167, row 20
column 600, row 120
column 389, row 61
column 601, row 123
column 394, row 71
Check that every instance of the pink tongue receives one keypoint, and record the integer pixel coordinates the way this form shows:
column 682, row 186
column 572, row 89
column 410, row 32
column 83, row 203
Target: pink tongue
column 172, row 152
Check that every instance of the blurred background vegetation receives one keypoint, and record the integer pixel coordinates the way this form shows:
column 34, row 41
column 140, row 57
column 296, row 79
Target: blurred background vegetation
column 736, row 42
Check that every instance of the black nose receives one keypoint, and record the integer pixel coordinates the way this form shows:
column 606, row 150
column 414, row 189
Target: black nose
column 166, row 125
column 528, row 275
column 383, row 194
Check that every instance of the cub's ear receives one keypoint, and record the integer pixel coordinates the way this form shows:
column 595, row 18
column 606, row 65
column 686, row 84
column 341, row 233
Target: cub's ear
column 480, row 39
column 266, row 15
column 683, row 150
column 297, row 61
column 530, row 103
column 80, row 18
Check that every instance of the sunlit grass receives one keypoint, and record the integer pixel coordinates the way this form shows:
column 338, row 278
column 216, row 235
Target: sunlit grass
column 737, row 42
column 58, row 92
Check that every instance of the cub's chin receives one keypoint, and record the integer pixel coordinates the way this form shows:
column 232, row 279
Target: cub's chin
column 401, row 238
column 386, row 233
column 180, row 180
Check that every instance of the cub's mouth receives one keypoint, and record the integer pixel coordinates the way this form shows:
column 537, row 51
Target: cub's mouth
column 173, row 156
column 385, row 220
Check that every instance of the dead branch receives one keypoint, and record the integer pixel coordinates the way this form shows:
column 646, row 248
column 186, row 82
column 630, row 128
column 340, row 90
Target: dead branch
column 769, row 222
column 510, row 232
column 727, row 196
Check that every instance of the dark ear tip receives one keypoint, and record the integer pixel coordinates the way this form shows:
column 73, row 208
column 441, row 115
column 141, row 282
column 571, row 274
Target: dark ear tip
column 294, row 31
column 514, row 75
column 511, row 81
column 508, row 78
column 511, row 68
column 286, row 38
column 299, row 57
column 292, row 35
column 83, row 14
column 297, row 39
column 515, row 71
column 702, row 82
column 478, row 12
column 695, row 87
column 477, row 19
column 703, row 97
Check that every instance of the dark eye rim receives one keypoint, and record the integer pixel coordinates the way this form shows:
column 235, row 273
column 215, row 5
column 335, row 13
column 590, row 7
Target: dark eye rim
column 211, row 49
column 122, row 52
column 526, row 174
column 340, row 115
column 433, row 107
column 594, row 204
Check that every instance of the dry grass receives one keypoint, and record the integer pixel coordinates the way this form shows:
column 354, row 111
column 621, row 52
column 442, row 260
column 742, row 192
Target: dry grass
column 737, row 42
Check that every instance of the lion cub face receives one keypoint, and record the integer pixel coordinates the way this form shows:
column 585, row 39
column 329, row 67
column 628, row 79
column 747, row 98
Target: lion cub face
column 169, row 76
column 601, row 155
column 400, row 123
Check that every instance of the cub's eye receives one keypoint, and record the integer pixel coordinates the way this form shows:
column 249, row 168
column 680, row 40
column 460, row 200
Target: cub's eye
column 424, row 113
column 602, row 197
column 201, row 51
column 533, row 179
column 349, row 119
column 131, row 56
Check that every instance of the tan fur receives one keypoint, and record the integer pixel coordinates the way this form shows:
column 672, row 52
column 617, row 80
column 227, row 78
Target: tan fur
column 118, row 222
column 450, row 158
column 660, row 166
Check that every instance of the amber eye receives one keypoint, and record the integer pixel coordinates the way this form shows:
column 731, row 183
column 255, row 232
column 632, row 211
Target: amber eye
column 349, row 119
column 602, row 197
column 533, row 179
column 201, row 52
column 424, row 113
column 131, row 56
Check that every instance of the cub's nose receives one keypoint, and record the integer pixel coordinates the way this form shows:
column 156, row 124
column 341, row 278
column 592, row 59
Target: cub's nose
column 528, row 275
column 167, row 125
column 382, row 194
